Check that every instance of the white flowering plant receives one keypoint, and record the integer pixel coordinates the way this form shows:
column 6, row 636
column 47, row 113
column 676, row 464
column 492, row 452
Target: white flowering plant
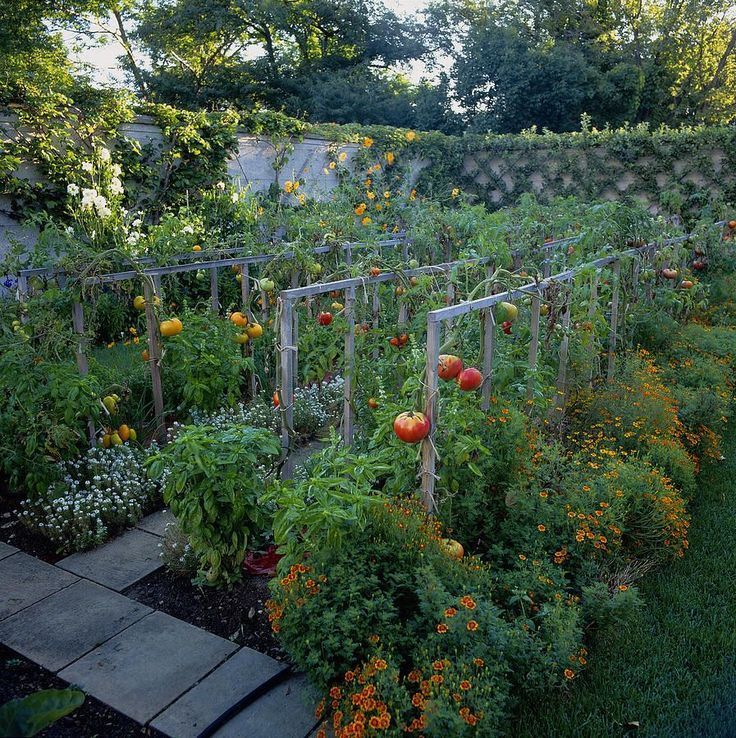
column 99, row 493
column 315, row 407
column 95, row 202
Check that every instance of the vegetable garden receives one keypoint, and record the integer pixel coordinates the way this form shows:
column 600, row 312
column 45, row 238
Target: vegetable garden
column 512, row 410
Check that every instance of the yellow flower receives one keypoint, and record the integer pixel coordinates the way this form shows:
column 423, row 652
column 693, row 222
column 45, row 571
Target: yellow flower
column 366, row 221
column 390, row 158
column 367, row 142
column 343, row 155
column 332, row 165
column 367, row 182
column 387, row 194
column 410, row 136
column 302, row 198
column 455, row 192
column 360, row 209
column 370, row 195
column 288, row 186
column 413, row 195
column 379, row 207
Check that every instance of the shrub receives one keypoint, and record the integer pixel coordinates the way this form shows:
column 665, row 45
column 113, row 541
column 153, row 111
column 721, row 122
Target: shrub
column 101, row 492
column 203, row 365
column 212, row 480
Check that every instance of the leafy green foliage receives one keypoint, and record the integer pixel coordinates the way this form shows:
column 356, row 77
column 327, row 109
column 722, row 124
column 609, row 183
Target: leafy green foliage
column 212, row 480
column 30, row 715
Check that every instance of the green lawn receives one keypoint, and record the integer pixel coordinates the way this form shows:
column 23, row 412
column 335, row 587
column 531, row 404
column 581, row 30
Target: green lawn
column 673, row 670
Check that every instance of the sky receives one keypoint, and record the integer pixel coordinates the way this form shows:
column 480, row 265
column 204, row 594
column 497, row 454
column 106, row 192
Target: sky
column 104, row 68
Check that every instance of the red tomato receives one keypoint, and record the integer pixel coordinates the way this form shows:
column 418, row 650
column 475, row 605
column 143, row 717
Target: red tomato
column 394, row 342
column 403, row 339
column 276, row 402
column 470, row 379
column 411, row 427
column 324, row 318
column 670, row 273
column 449, row 367
column 372, row 403
column 375, row 271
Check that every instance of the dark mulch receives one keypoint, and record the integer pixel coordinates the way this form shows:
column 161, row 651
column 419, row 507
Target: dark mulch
column 13, row 532
column 20, row 677
column 238, row 612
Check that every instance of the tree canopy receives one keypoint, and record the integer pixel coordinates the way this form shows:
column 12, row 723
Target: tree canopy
column 491, row 65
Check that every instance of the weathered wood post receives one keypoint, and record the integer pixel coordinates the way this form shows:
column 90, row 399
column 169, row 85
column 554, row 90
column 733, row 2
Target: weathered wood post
column 347, row 403
column 430, row 411
column 533, row 344
column 214, row 292
column 154, row 356
column 613, row 334
column 561, row 383
column 81, row 356
column 489, row 343
column 286, row 405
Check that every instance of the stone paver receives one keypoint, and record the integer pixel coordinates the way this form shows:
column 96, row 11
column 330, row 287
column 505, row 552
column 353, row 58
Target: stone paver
column 63, row 627
column 156, row 522
column 145, row 668
column 25, row 580
column 119, row 563
column 6, row 550
column 203, row 704
column 287, row 711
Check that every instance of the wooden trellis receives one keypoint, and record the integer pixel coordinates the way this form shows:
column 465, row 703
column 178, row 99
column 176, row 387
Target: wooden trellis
column 535, row 290
column 150, row 278
column 288, row 326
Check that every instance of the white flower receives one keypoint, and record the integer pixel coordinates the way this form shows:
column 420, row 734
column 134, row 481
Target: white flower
column 116, row 186
column 105, row 154
column 133, row 238
column 188, row 229
column 88, row 197
column 116, row 170
column 100, row 202
column 137, row 223
column 220, row 185
column 72, row 189
column 235, row 197
column 69, row 230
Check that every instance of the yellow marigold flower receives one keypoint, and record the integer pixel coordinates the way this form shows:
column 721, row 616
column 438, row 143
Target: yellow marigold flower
column 387, row 194
column 370, row 195
column 413, row 195
column 367, row 220
column 288, row 186
column 367, row 142
column 360, row 209
column 410, row 136
column 332, row 165
column 455, row 192
column 302, row 198
column 390, row 158
column 343, row 155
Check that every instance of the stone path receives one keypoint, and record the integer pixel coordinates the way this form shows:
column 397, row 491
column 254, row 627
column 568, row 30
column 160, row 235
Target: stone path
column 179, row 679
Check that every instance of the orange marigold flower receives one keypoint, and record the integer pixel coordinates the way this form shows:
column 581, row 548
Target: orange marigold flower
column 367, row 142
column 375, row 722
column 569, row 674
column 472, row 625
column 541, row 528
column 336, row 693
column 438, row 665
column 465, row 685
column 468, row 602
column 414, row 676
column 441, row 628
column 437, row 679
column 379, row 664
column 479, row 662
column 450, row 612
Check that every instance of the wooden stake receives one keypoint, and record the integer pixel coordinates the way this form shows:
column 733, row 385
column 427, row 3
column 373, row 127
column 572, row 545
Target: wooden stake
column 613, row 335
column 347, row 404
column 154, row 356
column 430, row 411
column 82, row 365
